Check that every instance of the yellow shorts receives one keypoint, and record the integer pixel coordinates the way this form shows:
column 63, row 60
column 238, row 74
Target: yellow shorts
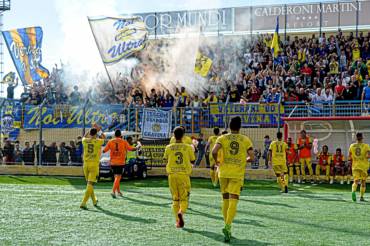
column 359, row 174
column 179, row 186
column 279, row 168
column 306, row 161
column 231, row 185
column 91, row 172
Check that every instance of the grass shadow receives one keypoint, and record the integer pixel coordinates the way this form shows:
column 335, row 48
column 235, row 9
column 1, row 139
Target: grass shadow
column 215, row 217
column 267, row 203
column 147, row 203
column 123, row 216
column 219, row 238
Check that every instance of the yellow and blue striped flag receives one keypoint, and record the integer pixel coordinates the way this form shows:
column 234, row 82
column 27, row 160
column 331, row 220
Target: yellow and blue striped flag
column 275, row 40
column 24, row 46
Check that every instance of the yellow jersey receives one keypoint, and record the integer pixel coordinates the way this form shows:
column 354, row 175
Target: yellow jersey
column 368, row 66
column 185, row 139
column 179, row 157
column 278, row 149
column 212, row 142
column 359, row 153
column 234, row 149
column 92, row 150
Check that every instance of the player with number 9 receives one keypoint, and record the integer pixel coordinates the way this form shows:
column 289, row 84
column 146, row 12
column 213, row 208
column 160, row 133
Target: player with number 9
column 236, row 150
column 179, row 157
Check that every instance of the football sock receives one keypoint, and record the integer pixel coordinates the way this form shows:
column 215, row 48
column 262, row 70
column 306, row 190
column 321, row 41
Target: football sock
column 286, row 179
column 175, row 208
column 362, row 191
column 225, row 207
column 216, row 177
column 212, row 174
column 291, row 172
column 231, row 212
column 354, row 186
column 184, row 205
column 89, row 190
column 298, row 171
column 93, row 197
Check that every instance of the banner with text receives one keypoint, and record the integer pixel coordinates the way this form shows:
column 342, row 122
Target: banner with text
column 254, row 114
column 118, row 37
column 157, row 123
column 65, row 116
column 154, row 154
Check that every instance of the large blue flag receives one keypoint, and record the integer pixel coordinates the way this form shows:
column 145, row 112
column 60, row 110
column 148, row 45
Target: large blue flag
column 24, row 46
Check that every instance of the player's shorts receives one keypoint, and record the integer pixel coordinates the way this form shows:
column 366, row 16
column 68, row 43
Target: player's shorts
column 91, row 172
column 279, row 168
column 231, row 185
column 306, row 161
column 359, row 174
column 179, row 186
column 117, row 169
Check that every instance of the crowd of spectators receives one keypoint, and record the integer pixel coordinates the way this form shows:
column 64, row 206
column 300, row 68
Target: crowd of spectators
column 28, row 154
column 307, row 69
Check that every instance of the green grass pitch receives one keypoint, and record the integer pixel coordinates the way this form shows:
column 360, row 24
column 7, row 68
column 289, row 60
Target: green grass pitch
column 45, row 210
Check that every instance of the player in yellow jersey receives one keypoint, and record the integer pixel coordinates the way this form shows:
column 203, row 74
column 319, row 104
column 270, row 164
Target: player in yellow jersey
column 211, row 143
column 277, row 158
column 237, row 149
column 179, row 157
column 185, row 139
column 359, row 154
column 92, row 149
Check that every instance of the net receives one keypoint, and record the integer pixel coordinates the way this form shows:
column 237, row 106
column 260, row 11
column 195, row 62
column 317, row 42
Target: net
column 335, row 132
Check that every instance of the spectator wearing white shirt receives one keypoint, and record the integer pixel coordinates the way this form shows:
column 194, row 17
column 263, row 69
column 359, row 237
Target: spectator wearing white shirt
column 318, row 97
column 328, row 96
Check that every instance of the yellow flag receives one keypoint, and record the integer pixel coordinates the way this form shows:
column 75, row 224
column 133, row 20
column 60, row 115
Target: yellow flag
column 202, row 64
column 275, row 40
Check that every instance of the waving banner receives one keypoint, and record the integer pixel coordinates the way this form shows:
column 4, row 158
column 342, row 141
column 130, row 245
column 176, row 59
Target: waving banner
column 202, row 64
column 24, row 46
column 118, row 37
column 72, row 116
column 157, row 123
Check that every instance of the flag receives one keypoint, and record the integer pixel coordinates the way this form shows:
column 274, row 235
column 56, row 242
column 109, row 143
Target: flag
column 24, row 46
column 118, row 37
column 202, row 64
column 275, row 40
column 8, row 78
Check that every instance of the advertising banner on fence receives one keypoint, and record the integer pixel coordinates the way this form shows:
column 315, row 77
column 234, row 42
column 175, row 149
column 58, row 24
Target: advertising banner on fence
column 264, row 114
column 154, row 154
column 11, row 116
column 64, row 116
column 157, row 124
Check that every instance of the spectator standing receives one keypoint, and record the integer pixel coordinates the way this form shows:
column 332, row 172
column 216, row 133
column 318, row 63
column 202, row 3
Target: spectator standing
column 10, row 89
column 75, row 96
column 79, row 150
column 266, row 143
column 63, row 154
column 18, row 153
column 51, row 154
column 72, row 152
column 8, row 152
column 28, row 154
column 201, row 149
column 43, row 152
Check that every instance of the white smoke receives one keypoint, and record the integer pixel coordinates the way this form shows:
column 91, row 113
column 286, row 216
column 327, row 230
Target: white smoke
column 82, row 62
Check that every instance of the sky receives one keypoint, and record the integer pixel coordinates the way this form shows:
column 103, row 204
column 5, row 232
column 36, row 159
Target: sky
column 52, row 16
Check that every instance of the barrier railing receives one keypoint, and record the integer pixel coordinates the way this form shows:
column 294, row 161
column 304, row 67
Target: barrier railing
column 327, row 109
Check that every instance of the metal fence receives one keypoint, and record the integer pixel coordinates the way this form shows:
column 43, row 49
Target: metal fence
column 60, row 128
